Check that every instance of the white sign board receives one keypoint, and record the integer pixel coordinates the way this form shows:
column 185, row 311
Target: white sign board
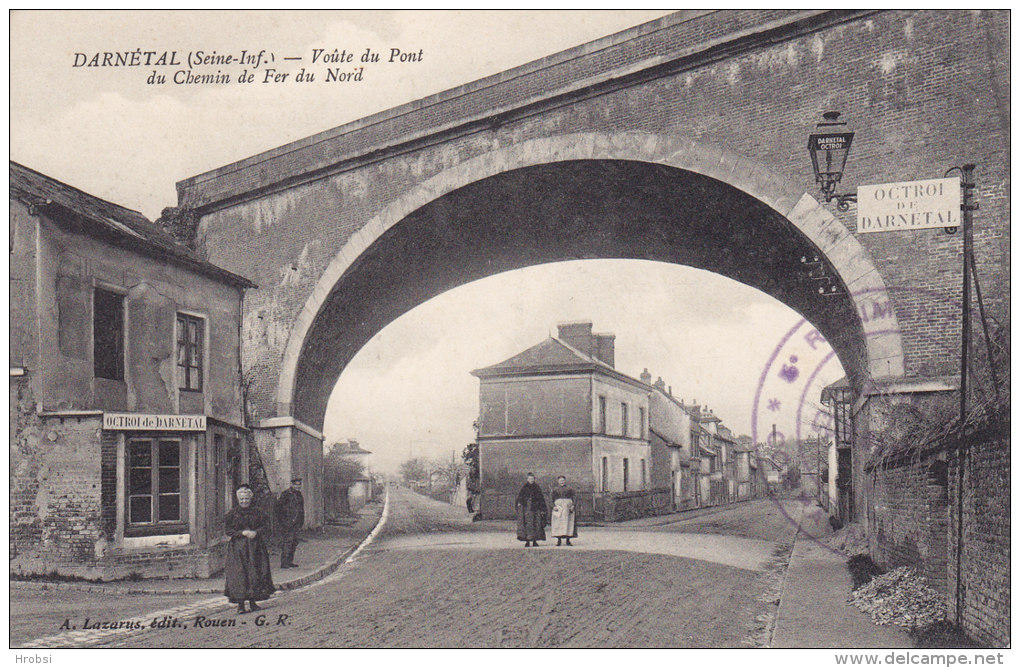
column 145, row 422
column 911, row 205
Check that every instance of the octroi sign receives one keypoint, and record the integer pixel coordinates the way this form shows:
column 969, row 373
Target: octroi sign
column 910, row 205
column 144, row 422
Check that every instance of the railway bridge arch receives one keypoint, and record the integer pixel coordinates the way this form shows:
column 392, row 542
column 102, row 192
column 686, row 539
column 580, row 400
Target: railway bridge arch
column 681, row 141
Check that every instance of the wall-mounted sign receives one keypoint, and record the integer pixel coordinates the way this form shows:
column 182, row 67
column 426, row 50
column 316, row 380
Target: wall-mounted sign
column 144, row 422
column 912, row 205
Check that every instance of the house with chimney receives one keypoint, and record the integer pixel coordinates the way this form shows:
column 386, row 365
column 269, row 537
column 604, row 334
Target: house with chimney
column 561, row 408
column 626, row 445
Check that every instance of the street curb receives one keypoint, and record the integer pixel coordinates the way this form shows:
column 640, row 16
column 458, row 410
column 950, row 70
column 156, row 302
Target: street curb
column 326, row 570
column 786, row 577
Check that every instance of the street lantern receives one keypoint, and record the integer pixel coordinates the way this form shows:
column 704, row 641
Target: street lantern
column 829, row 147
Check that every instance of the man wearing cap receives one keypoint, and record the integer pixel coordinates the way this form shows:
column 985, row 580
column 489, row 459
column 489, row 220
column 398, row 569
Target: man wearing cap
column 290, row 515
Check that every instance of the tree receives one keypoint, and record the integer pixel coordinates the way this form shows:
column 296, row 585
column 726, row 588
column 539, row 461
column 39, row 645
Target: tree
column 340, row 470
column 181, row 223
column 470, row 457
column 414, row 471
column 439, row 468
column 339, row 473
column 792, row 478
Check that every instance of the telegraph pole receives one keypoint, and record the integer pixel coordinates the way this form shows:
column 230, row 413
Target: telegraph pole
column 968, row 249
column 968, row 207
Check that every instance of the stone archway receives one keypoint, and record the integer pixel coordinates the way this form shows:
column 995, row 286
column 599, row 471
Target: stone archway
column 879, row 353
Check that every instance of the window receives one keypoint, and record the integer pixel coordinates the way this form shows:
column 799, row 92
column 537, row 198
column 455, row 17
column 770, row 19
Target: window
column 108, row 335
column 641, row 419
column 189, row 352
column 623, row 419
column 605, row 474
column 626, row 472
column 602, row 415
column 644, row 475
column 154, row 482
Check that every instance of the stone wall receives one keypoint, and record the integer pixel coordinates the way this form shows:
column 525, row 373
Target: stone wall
column 924, row 90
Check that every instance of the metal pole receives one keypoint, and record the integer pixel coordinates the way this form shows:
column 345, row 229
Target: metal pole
column 968, row 247
column 984, row 325
column 818, row 467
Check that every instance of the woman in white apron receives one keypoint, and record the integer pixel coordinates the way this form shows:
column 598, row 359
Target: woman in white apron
column 564, row 512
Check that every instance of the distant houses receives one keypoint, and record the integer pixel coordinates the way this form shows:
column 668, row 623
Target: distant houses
column 627, row 445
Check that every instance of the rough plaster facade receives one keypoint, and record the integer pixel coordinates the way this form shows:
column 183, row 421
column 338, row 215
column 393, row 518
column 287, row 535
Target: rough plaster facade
column 68, row 473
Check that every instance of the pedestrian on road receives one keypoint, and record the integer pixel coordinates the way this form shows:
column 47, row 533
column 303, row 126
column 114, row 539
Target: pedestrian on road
column 290, row 518
column 248, row 575
column 531, row 513
column 564, row 512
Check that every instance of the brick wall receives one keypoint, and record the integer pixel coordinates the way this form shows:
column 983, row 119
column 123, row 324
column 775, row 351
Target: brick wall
column 108, row 482
column 986, row 540
column 908, row 516
column 63, row 503
column 56, row 479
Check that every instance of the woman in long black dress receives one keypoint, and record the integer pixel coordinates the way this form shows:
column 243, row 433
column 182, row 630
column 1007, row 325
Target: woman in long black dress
column 248, row 575
column 531, row 513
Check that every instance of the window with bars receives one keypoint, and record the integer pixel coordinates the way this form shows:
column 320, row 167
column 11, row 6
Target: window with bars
column 189, row 352
column 108, row 335
column 154, row 482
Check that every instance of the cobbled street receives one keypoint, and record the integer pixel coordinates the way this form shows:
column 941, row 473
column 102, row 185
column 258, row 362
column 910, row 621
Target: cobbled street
column 432, row 578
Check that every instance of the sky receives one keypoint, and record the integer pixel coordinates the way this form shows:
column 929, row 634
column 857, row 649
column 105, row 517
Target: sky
column 109, row 132
column 707, row 336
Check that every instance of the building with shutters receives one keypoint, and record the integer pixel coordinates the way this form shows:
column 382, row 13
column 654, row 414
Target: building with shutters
column 561, row 408
column 127, row 428
column 626, row 445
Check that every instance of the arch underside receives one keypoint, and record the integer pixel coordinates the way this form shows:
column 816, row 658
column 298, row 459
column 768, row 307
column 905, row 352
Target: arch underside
column 575, row 209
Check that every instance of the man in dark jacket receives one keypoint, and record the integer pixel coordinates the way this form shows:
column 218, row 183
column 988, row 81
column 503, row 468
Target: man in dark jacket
column 290, row 516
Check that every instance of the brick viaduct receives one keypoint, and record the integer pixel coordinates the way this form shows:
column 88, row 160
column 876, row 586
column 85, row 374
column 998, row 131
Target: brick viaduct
column 682, row 140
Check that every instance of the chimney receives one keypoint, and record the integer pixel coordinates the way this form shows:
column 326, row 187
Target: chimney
column 646, row 377
column 660, row 384
column 605, row 348
column 577, row 335
column 670, row 392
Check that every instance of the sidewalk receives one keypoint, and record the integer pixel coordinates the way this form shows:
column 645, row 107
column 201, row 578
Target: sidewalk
column 318, row 555
column 679, row 515
column 813, row 611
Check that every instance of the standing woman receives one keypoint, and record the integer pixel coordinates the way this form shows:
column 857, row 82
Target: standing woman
column 248, row 575
column 531, row 513
column 564, row 512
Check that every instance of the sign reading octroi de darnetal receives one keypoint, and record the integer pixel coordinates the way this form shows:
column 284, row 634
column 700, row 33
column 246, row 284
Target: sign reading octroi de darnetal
column 911, row 205
column 141, row 421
